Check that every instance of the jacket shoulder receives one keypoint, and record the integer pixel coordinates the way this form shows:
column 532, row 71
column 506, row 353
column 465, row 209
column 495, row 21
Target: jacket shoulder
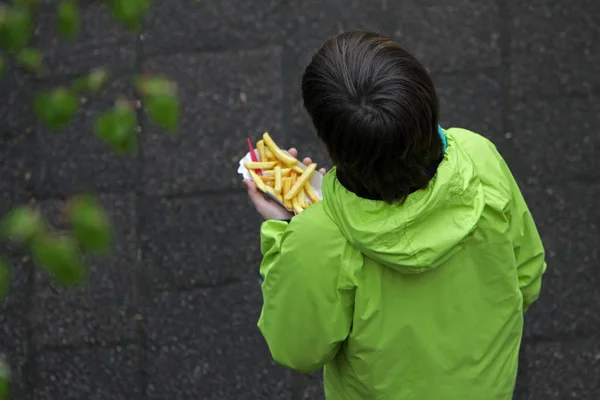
column 488, row 162
column 316, row 238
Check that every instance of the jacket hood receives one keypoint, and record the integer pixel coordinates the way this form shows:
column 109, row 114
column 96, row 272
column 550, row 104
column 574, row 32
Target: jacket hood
column 420, row 234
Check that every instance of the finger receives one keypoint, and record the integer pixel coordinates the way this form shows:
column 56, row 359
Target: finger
column 307, row 161
column 255, row 195
column 250, row 186
column 293, row 152
column 323, row 171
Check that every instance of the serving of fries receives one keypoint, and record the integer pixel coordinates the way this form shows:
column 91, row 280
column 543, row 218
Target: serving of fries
column 281, row 176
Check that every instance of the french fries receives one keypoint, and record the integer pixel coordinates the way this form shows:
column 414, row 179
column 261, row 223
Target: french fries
column 260, row 165
column 277, row 152
column 302, row 179
column 260, row 145
column 283, row 177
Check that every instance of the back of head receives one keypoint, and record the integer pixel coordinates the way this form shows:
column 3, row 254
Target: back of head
column 375, row 108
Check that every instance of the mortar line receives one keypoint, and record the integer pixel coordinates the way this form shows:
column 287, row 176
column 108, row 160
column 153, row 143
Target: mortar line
column 141, row 292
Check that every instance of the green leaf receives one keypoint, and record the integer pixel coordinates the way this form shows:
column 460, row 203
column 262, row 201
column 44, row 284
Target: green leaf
column 30, row 59
column 60, row 256
column 3, row 71
column 16, row 27
column 68, row 19
column 164, row 111
column 91, row 225
column 118, row 128
column 22, row 224
column 130, row 12
column 56, row 108
column 160, row 100
column 4, row 380
column 5, row 277
column 93, row 82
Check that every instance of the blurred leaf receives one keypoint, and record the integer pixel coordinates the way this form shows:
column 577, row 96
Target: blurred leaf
column 93, row 82
column 4, row 279
column 91, row 225
column 160, row 100
column 4, row 380
column 30, row 59
column 118, row 128
column 61, row 257
column 68, row 19
column 56, row 108
column 130, row 12
column 3, row 69
column 155, row 85
column 16, row 27
column 164, row 111
column 22, row 224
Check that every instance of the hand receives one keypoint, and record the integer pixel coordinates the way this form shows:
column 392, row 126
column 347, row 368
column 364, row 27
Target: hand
column 267, row 208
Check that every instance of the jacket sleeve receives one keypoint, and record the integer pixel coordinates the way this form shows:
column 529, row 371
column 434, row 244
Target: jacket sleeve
column 305, row 316
column 528, row 247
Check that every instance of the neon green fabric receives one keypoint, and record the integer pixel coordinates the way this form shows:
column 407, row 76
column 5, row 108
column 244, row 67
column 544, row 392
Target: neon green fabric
column 422, row 301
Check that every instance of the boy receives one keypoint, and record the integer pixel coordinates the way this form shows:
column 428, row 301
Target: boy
column 411, row 278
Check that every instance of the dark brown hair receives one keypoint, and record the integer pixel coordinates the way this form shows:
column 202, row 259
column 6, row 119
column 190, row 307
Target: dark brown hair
column 375, row 108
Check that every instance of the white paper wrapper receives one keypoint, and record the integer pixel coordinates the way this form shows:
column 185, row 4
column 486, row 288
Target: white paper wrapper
column 316, row 180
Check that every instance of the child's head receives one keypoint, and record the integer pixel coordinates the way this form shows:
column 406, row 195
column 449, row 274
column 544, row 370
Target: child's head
column 375, row 108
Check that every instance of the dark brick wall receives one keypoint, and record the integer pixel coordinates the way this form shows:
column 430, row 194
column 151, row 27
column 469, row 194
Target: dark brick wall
column 172, row 313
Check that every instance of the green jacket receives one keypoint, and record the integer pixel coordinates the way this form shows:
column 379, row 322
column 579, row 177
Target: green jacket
column 423, row 301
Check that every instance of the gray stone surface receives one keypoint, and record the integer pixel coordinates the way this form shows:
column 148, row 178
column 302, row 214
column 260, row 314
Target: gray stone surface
column 16, row 110
column 310, row 387
column 103, row 309
column 91, row 373
column 554, row 46
column 205, row 344
column 189, row 24
column 172, row 314
column 14, row 308
column 226, row 97
column 569, row 223
column 564, row 370
column 472, row 101
column 448, row 35
column 543, row 121
column 213, row 240
column 101, row 41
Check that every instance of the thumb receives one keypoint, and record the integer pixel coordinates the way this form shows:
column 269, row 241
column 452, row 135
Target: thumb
column 253, row 193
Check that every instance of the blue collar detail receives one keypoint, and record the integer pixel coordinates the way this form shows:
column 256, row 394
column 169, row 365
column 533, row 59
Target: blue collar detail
column 443, row 137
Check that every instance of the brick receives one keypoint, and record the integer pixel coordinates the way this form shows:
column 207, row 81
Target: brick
column 567, row 370
column 90, row 373
column 218, row 116
column 569, row 224
column 558, row 145
column 101, row 41
column 448, row 36
column 224, row 24
column 554, row 47
column 14, row 346
column 102, row 310
column 192, row 242
column 205, row 344
column 76, row 160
